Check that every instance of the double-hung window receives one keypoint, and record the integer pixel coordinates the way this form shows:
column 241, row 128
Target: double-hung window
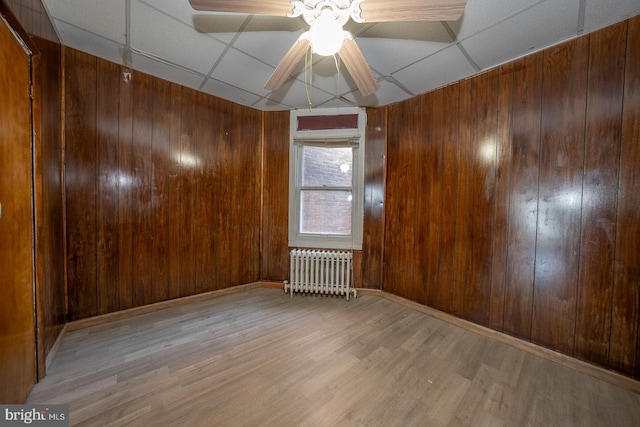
column 326, row 179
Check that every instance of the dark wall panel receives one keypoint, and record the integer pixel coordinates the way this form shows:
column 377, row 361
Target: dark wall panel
column 106, row 186
column 599, row 192
column 374, row 199
column 275, row 179
column 560, row 194
column 624, row 346
column 162, row 187
column 80, row 182
column 526, row 98
column 522, row 183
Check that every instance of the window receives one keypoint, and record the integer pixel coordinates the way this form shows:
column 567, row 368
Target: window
column 326, row 179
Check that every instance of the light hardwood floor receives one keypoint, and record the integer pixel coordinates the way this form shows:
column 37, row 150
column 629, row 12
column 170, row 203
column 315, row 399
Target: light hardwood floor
column 262, row 358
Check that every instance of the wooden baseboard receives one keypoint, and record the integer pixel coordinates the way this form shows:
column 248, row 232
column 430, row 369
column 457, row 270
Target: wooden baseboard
column 603, row 374
column 136, row 311
column 271, row 284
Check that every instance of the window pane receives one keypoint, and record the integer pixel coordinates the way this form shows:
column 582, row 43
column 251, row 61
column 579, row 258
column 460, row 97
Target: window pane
column 327, row 166
column 325, row 212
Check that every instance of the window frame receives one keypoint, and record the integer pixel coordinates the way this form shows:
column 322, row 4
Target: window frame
column 353, row 138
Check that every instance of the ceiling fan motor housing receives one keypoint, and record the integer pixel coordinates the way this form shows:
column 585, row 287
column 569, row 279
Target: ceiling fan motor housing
column 342, row 10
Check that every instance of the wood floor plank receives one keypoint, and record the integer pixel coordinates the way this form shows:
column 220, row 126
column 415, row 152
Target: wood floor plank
column 261, row 357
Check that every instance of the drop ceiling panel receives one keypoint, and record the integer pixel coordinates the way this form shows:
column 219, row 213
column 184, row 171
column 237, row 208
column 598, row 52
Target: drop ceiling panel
column 601, row 13
column 168, row 38
column 241, row 70
column 479, row 15
column 389, row 47
column 166, row 71
column 269, row 38
column 88, row 42
column 103, row 18
column 221, row 26
column 387, row 94
column 442, row 68
column 295, row 93
column 326, row 75
column 225, row 91
column 543, row 25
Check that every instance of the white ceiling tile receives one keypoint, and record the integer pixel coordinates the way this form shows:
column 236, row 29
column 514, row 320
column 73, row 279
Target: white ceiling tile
column 601, row 13
column 294, row 93
column 269, row 38
column 387, row 94
column 90, row 43
column 167, row 38
column 104, row 18
column 241, row 70
column 389, row 47
column 481, row 14
column 325, row 76
column 166, row 71
column 225, row 91
column 438, row 70
column 542, row 26
column 222, row 26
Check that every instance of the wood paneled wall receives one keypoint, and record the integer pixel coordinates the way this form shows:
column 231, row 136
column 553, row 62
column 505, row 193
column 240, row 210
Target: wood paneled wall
column 513, row 198
column 163, row 189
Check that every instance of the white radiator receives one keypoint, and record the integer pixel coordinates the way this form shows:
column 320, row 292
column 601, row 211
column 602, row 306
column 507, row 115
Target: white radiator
column 320, row 272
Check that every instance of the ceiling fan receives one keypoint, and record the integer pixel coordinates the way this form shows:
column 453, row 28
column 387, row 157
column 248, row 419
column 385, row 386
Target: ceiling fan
column 326, row 35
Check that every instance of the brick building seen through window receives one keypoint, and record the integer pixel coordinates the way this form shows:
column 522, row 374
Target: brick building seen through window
column 327, row 190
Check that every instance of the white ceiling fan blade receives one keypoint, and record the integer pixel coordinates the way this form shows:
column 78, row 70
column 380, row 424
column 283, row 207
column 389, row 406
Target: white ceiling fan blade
column 411, row 10
column 259, row 7
column 288, row 63
column 358, row 68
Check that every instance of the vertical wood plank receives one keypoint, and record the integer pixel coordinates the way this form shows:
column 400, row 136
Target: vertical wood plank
column 449, row 122
column 374, row 198
column 561, row 165
column 223, row 197
column 188, row 193
column 503, row 184
column 600, row 182
column 624, row 345
column 482, row 197
column 160, row 189
column 400, row 210
column 80, row 183
column 125, row 191
column 423, row 151
column 433, row 176
column 463, row 213
column 107, row 187
column 236, row 178
column 142, row 174
column 523, row 195
column 203, row 203
column 250, row 145
column 175, row 213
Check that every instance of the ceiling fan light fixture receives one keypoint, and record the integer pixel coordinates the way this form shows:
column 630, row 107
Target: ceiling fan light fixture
column 326, row 34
